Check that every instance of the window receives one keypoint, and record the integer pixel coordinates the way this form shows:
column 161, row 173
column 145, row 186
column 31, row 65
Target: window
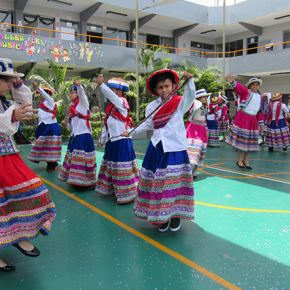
column 286, row 38
column 232, row 47
column 6, row 17
column 200, row 47
column 117, row 34
column 71, row 27
column 252, row 44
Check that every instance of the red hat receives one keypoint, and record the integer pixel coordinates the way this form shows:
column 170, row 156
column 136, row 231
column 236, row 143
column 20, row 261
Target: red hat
column 149, row 84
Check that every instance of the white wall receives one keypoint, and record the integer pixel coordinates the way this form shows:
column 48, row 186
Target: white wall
column 7, row 4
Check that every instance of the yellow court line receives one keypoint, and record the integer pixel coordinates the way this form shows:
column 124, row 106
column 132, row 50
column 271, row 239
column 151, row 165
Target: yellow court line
column 147, row 239
column 250, row 176
column 241, row 208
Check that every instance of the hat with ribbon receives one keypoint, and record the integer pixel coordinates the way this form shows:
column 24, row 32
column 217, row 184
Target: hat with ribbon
column 118, row 84
column 201, row 93
column 276, row 97
column 254, row 80
column 7, row 69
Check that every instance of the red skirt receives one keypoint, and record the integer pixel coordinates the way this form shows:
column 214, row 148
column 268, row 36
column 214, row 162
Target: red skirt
column 25, row 205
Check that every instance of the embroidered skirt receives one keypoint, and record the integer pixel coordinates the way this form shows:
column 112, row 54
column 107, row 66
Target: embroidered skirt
column 25, row 205
column 165, row 186
column 119, row 171
column 79, row 166
column 197, row 142
column 278, row 136
column 244, row 132
column 213, row 133
column 223, row 126
column 47, row 146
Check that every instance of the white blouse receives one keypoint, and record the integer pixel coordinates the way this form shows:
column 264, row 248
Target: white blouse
column 283, row 109
column 43, row 116
column 173, row 134
column 254, row 104
column 115, row 127
column 79, row 126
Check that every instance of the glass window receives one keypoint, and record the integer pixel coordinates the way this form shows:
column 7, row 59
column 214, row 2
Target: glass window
column 6, row 17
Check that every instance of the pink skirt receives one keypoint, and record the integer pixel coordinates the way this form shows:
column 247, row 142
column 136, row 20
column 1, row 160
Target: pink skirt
column 244, row 132
column 197, row 143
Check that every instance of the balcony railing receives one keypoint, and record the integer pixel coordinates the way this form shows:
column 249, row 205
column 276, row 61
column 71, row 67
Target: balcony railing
column 177, row 50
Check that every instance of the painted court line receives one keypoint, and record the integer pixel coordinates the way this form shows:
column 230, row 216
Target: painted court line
column 246, row 174
column 147, row 239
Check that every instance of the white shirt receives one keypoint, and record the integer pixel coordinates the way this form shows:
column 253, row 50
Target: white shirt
column 43, row 116
column 115, row 127
column 173, row 134
column 79, row 126
column 254, row 105
column 212, row 117
column 283, row 109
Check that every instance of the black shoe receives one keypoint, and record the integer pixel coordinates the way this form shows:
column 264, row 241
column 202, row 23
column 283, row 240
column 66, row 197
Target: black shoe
column 33, row 253
column 285, row 149
column 247, row 166
column 51, row 166
column 271, row 149
column 240, row 166
column 7, row 268
column 175, row 224
column 194, row 176
column 164, row 227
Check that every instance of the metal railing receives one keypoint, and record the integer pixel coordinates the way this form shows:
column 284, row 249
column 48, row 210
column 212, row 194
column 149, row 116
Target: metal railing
column 177, row 50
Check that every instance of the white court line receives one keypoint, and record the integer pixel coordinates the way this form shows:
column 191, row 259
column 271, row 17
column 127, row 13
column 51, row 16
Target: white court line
column 261, row 177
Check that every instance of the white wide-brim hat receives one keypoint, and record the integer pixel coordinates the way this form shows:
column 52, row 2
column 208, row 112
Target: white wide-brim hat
column 7, row 69
column 254, row 80
column 201, row 93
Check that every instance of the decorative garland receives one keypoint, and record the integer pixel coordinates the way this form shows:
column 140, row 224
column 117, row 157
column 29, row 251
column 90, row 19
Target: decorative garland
column 26, row 18
column 46, row 21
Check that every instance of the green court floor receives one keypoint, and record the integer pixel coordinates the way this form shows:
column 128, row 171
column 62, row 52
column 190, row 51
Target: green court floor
column 240, row 238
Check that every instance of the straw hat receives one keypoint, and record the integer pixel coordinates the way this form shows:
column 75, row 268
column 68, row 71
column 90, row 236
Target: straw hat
column 276, row 97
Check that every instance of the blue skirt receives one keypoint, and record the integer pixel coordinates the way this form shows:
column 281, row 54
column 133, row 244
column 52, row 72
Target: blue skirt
column 83, row 142
column 155, row 158
column 119, row 151
column 47, row 130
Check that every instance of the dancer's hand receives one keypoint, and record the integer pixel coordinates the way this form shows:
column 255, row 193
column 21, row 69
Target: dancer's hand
column 25, row 112
column 187, row 75
column 100, row 79
column 230, row 78
column 125, row 134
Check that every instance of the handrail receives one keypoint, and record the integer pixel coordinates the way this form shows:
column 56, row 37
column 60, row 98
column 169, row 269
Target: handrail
column 201, row 53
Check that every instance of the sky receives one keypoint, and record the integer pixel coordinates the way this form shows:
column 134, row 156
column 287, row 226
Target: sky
column 215, row 2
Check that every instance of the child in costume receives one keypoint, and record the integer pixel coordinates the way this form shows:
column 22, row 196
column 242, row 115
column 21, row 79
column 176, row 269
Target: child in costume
column 165, row 192
column 79, row 166
column 214, row 113
column 119, row 170
column 25, row 205
column 223, row 122
column 196, row 131
column 244, row 132
column 47, row 146
column 277, row 136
